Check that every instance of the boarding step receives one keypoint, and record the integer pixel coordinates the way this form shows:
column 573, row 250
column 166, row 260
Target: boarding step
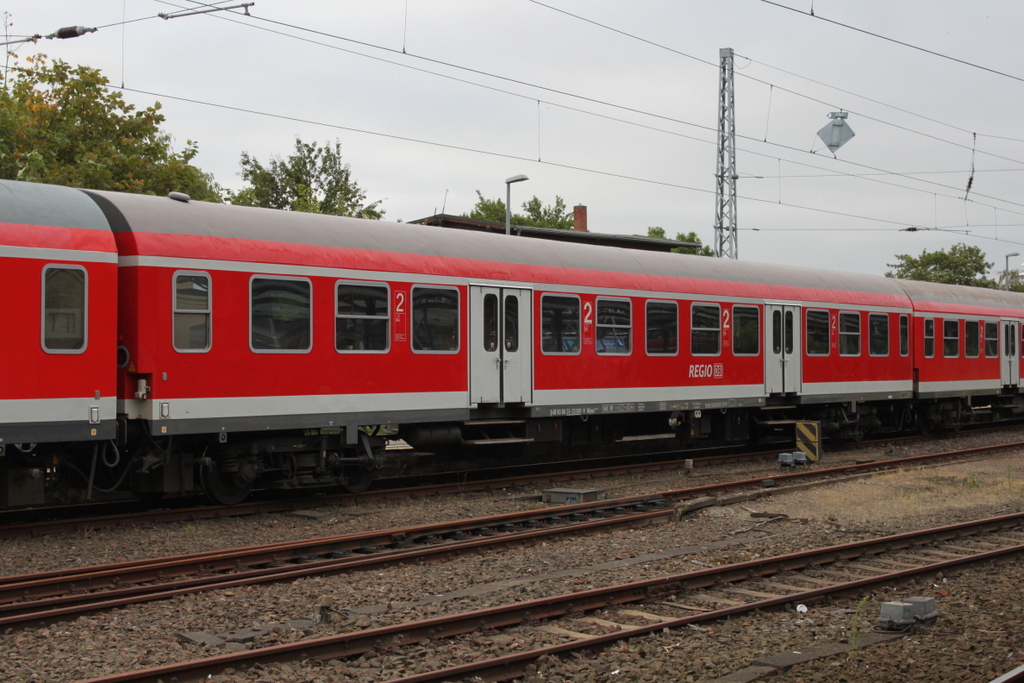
column 494, row 442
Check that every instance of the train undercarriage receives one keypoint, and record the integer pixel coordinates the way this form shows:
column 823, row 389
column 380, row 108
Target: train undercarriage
column 227, row 468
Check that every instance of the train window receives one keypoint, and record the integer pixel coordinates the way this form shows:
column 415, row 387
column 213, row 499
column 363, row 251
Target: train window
column 789, row 333
column 929, row 338
column 776, row 332
column 511, row 323
column 191, row 312
column 878, row 334
column 662, row 328
column 362, row 318
column 559, row 324
column 613, row 326
column 904, row 335
column 435, row 319
column 950, row 338
column 1010, row 345
column 65, row 316
column 490, row 323
column 991, row 340
column 849, row 334
column 280, row 315
column 817, row 333
column 972, row 342
column 705, row 329
column 746, row 330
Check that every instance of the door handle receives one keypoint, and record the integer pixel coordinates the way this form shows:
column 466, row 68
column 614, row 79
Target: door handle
column 497, row 363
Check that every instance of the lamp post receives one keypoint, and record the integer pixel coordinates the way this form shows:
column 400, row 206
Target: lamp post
column 508, row 200
column 1006, row 273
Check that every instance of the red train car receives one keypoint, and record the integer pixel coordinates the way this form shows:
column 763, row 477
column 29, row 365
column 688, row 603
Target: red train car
column 260, row 348
column 58, row 263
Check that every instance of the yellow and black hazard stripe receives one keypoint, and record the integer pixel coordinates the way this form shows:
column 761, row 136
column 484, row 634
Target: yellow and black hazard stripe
column 808, row 439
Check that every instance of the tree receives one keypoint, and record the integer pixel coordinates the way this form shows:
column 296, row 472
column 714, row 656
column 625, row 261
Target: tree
column 961, row 265
column 313, row 179
column 535, row 213
column 700, row 250
column 62, row 125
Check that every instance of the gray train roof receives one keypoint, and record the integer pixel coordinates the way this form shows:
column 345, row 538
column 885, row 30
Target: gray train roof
column 932, row 292
column 32, row 203
column 141, row 213
column 54, row 205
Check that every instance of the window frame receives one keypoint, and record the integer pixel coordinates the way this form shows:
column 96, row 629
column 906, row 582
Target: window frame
column 859, row 335
column 693, row 305
column 388, row 318
column 579, row 324
column 598, row 325
column 735, row 327
column 871, row 338
column 977, row 339
column 904, row 335
column 208, row 312
column 280, row 278
column 994, row 339
column 647, row 327
column 85, row 309
column 828, row 332
column 458, row 320
column 946, row 338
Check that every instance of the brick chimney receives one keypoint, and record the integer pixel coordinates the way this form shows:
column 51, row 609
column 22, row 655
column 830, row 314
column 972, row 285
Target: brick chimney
column 579, row 218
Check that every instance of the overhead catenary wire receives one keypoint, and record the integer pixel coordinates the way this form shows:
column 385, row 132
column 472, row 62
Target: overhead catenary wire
column 493, row 153
column 557, row 91
column 934, row 53
column 592, row 100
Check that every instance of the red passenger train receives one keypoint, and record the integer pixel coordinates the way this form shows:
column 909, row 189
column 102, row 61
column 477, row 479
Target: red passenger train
column 159, row 345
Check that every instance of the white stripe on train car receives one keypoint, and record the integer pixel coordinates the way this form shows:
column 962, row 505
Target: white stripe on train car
column 325, row 404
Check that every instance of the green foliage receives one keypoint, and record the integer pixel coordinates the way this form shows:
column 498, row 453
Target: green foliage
column 313, row 179
column 60, row 124
column 700, row 250
column 535, row 213
column 961, row 265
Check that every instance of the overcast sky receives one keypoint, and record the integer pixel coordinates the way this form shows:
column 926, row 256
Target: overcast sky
column 605, row 103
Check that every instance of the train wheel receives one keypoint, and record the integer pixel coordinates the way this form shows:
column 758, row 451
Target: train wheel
column 359, row 479
column 224, row 488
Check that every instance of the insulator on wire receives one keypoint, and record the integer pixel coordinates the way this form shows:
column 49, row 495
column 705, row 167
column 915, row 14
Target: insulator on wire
column 71, row 32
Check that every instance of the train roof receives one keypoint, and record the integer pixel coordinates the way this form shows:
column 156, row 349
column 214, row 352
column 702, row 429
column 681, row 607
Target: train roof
column 50, row 205
column 229, row 232
column 932, row 296
column 141, row 214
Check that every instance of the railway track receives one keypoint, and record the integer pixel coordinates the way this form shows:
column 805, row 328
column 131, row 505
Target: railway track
column 10, row 528
column 37, row 598
column 666, row 602
column 61, row 594
column 48, row 596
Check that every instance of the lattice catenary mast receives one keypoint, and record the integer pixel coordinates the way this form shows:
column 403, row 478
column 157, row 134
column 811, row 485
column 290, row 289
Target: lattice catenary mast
column 726, row 245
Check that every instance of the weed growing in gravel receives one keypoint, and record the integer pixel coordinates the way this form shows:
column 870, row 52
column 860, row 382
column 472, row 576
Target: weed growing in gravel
column 855, row 629
column 972, row 482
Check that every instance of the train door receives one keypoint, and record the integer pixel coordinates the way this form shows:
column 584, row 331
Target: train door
column 1009, row 354
column 501, row 353
column 782, row 349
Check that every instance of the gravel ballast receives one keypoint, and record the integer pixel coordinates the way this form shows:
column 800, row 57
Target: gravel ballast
column 977, row 632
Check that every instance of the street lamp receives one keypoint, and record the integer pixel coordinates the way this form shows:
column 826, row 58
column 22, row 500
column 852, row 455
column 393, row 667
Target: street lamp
column 1006, row 274
column 508, row 200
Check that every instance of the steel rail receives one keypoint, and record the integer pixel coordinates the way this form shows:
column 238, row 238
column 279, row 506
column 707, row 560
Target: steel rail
column 76, row 603
column 48, row 527
column 358, row 642
column 91, row 578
